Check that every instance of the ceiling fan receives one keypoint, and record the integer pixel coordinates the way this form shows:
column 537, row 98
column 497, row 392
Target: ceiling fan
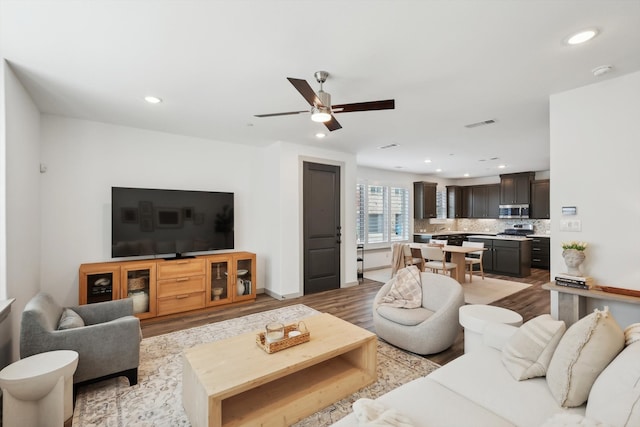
column 321, row 108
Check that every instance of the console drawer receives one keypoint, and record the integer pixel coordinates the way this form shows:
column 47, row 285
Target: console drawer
column 180, row 303
column 181, row 268
column 180, row 286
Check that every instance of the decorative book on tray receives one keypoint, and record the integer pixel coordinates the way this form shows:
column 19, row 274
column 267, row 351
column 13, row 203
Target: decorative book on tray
column 578, row 282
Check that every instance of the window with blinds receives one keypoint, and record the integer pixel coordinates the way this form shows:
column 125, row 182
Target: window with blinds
column 382, row 214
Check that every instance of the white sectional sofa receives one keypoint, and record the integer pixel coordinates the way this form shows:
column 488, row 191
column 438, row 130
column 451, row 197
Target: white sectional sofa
column 477, row 389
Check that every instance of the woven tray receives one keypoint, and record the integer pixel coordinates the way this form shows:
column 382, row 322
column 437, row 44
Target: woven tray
column 620, row 291
column 272, row 347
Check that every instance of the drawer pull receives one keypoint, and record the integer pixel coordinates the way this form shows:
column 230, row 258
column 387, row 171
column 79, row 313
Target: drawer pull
column 182, row 296
column 182, row 279
column 182, row 262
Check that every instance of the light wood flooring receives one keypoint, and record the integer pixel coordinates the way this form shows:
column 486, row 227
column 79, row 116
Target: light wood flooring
column 354, row 305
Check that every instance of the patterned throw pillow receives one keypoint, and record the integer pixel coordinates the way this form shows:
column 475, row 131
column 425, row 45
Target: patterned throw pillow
column 528, row 352
column 406, row 290
column 583, row 352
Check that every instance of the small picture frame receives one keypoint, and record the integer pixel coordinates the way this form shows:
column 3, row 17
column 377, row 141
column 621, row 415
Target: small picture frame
column 187, row 214
column 129, row 215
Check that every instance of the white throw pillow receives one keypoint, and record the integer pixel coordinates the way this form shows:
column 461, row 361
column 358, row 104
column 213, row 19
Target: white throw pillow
column 615, row 395
column 632, row 333
column 583, row 352
column 528, row 352
column 70, row 319
column 406, row 290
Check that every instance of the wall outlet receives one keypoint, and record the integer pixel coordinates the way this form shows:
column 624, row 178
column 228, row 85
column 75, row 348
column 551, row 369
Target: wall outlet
column 570, row 225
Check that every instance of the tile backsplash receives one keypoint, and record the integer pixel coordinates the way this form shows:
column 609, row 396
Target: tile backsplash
column 540, row 226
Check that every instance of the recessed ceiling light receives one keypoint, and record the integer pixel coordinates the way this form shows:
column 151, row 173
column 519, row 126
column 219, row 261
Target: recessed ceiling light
column 502, row 166
column 582, row 36
column 320, row 135
column 466, row 175
column 152, row 99
column 438, row 170
column 427, row 161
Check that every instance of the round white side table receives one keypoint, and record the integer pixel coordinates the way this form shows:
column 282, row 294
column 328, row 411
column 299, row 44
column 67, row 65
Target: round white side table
column 38, row 390
column 474, row 318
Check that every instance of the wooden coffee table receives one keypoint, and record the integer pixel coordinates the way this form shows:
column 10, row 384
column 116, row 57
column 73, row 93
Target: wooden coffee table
column 233, row 382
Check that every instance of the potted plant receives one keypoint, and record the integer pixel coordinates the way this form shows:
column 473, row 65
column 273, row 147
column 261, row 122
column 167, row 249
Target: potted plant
column 573, row 254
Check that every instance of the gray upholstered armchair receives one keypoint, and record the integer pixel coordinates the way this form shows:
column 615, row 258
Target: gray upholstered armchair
column 428, row 329
column 106, row 336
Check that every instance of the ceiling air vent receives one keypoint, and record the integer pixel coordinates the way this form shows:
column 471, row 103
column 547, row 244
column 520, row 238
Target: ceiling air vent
column 482, row 123
column 384, row 147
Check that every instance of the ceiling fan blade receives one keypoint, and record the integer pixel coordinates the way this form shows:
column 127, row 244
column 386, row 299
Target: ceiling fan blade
column 305, row 90
column 333, row 124
column 387, row 104
column 280, row 114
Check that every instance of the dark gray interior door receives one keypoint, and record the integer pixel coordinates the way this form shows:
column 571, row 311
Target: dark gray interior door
column 322, row 230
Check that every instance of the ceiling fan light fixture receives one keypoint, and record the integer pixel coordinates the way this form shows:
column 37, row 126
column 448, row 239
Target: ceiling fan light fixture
column 320, row 114
column 582, row 36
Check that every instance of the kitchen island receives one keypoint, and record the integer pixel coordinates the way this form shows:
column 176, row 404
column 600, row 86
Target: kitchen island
column 505, row 255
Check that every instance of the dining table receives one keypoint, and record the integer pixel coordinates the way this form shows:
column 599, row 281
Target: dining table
column 458, row 254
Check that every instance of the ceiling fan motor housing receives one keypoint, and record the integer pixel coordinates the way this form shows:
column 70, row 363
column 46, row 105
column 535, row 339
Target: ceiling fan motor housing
column 325, row 98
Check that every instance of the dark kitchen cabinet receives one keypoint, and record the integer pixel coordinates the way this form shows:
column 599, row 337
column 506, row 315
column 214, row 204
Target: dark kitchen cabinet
column 506, row 257
column 424, row 200
column 540, row 206
column 515, row 188
column 485, row 201
column 454, row 201
column 467, row 202
column 540, row 249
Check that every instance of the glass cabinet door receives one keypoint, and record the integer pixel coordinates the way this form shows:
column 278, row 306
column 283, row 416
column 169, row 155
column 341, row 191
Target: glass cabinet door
column 218, row 280
column 244, row 278
column 138, row 283
column 99, row 283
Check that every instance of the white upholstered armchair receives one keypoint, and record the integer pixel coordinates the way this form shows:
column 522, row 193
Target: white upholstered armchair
column 429, row 329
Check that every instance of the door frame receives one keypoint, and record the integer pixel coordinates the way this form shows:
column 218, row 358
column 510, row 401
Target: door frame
column 342, row 166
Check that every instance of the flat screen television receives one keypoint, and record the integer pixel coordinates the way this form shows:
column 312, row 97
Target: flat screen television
column 169, row 222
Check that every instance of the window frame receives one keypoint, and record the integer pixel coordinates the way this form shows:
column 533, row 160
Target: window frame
column 392, row 197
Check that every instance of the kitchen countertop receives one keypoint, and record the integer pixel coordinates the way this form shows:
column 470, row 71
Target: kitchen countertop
column 502, row 237
column 548, row 236
column 445, row 233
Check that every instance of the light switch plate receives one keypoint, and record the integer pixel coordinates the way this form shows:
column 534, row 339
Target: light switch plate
column 570, row 225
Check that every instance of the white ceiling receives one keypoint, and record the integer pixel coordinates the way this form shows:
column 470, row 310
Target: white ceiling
column 215, row 64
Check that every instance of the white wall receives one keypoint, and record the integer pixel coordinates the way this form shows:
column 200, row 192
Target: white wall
column 22, row 209
column 85, row 159
column 284, row 222
column 595, row 132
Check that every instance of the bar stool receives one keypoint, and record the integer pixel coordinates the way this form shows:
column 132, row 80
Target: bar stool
column 37, row 391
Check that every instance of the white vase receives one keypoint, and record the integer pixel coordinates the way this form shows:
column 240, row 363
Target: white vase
column 240, row 286
column 573, row 258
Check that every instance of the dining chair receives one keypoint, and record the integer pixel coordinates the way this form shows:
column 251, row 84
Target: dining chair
column 436, row 260
column 412, row 257
column 474, row 258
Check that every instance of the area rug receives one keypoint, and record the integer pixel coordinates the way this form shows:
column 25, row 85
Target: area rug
column 477, row 292
column 490, row 290
column 157, row 398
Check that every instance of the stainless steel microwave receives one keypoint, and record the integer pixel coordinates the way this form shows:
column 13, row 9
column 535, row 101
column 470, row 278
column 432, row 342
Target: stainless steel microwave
column 513, row 211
